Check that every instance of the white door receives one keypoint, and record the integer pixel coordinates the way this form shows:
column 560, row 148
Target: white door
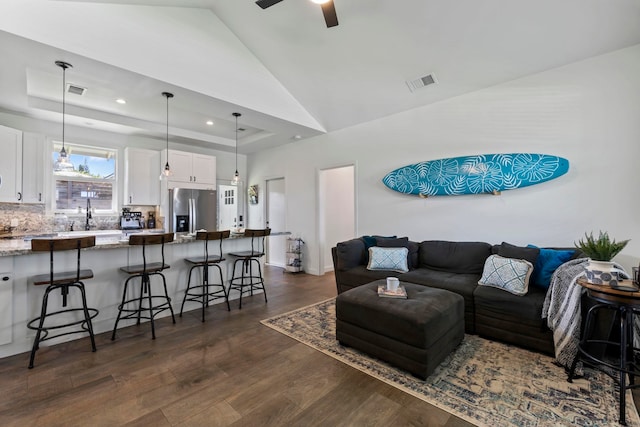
column 276, row 220
column 337, row 219
column 227, row 207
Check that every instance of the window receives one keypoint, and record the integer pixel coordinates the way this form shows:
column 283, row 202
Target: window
column 86, row 178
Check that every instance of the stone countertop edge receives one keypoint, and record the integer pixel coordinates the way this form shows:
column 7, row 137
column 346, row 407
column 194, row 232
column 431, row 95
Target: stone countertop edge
column 12, row 247
column 22, row 247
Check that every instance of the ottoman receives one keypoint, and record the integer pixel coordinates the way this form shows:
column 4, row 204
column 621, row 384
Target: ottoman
column 414, row 334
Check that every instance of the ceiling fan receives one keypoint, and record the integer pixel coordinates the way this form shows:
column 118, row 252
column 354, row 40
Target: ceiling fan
column 328, row 9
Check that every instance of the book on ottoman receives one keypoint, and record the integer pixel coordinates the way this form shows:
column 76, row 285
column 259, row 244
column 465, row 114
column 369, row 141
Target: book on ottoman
column 401, row 292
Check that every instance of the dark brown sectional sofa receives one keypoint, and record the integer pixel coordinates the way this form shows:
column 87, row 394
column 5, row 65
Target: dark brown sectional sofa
column 457, row 266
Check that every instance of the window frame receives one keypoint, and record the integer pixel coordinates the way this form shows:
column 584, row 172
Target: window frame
column 88, row 147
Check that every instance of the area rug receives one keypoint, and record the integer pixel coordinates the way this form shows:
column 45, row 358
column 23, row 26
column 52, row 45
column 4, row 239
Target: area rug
column 484, row 382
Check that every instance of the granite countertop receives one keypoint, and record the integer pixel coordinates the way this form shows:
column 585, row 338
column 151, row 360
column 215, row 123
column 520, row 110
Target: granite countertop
column 20, row 243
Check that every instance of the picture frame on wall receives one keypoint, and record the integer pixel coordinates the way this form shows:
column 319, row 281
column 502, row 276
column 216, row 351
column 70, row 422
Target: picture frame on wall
column 253, row 194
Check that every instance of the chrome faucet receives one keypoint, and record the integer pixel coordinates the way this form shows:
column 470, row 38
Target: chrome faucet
column 86, row 224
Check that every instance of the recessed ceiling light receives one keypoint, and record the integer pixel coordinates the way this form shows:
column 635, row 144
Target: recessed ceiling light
column 121, row 101
column 210, row 122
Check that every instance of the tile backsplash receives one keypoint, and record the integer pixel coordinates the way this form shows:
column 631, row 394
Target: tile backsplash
column 25, row 218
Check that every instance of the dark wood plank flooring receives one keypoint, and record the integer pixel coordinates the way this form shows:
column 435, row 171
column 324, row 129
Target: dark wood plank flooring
column 228, row 371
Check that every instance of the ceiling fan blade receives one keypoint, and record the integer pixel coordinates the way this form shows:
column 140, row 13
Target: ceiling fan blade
column 329, row 12
column 267, row 3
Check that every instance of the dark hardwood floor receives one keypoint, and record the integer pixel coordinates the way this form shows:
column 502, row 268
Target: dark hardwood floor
column 228, row 371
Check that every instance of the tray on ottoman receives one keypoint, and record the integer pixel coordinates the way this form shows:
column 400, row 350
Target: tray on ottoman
column 414, row 334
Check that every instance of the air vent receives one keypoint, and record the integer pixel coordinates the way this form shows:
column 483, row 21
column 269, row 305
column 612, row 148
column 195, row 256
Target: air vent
column 241, row 129
column 75, row 89
column 416, row 84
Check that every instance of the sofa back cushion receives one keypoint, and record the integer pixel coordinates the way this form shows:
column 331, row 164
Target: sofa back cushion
column 350, row 254
column 402, row 242
column 454, row 257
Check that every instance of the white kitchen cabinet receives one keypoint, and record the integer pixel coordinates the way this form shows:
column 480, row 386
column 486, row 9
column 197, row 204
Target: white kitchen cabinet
column 191, row 170
column 10, row 165
column 33, row 167
column 141, row 172
column 6, row 307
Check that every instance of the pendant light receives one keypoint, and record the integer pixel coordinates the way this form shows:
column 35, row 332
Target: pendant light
column 236, row 176
column 63, row 160
column 167, row 170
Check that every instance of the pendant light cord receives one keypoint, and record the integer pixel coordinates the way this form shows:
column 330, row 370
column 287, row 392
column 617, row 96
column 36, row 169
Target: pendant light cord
column 64, row 103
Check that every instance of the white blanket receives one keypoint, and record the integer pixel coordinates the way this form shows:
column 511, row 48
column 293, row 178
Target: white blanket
column 562, row 310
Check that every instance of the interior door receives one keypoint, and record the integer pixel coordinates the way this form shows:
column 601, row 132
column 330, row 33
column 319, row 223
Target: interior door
column 276, row 220
column 227, row 207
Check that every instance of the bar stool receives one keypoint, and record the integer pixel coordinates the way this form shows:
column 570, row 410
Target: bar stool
column 204, row 295
column 247, row 278
column 134, row 306
column 63, row 281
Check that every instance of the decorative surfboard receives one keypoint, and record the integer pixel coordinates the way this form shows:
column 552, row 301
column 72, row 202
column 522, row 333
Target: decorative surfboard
column 484, row 173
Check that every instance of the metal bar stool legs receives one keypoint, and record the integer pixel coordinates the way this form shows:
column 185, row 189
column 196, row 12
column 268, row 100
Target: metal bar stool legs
column 135, row 308
column 69, row 320
column 202, row 293
column 205, row 295
column 247, row 282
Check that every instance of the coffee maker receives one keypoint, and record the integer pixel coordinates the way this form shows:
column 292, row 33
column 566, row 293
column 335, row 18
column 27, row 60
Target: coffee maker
column 151, row 219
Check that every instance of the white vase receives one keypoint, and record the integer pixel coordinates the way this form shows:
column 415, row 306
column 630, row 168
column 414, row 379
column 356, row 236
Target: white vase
column 603, row 273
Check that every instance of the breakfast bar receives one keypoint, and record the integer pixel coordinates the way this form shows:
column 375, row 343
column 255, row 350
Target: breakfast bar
column 20, row 301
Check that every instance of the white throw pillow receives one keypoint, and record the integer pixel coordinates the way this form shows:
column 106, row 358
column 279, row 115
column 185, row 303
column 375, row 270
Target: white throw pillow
column 392, row 259
column 509, row 274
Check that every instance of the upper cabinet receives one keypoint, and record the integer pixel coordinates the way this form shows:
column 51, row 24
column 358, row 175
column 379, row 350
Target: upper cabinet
column 141, row 172
column 10, row 165
column 33, row 162
column 191, row 170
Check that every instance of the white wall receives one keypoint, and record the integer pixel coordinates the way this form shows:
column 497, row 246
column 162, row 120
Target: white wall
column 337, row 210
column 587, row 112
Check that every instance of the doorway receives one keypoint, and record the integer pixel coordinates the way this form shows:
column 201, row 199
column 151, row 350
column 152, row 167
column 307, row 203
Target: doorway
column 276, row 220
column 337, row 211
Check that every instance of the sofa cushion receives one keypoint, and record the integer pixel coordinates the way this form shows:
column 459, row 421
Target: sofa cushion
column 454, row 257
column 547, row 263
column 402, row 242
column 359, row 275
column 350, row 254
column 509, row 308
column 509, row 274
column 393, row 259
column 508, row 250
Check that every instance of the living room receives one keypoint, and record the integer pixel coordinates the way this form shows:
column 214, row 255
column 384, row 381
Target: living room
column 581, row 105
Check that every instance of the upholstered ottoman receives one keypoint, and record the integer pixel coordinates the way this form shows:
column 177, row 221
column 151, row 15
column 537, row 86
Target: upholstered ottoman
column 414, row 334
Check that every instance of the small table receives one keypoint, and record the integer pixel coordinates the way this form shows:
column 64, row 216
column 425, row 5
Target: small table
column 626, row 304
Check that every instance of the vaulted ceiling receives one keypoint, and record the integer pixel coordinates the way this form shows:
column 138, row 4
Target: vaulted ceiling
column 289, row 75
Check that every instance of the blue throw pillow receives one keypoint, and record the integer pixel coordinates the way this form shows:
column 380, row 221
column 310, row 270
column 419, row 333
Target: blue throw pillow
column 547, row 262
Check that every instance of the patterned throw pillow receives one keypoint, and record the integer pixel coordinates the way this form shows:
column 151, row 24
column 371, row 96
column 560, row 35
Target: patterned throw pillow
column 509, row 274
column 393, row 259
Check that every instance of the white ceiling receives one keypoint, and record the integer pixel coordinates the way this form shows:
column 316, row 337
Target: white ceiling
column 281, row 67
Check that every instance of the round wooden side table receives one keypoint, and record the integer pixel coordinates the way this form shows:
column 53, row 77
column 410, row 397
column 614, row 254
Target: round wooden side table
column 627, row 305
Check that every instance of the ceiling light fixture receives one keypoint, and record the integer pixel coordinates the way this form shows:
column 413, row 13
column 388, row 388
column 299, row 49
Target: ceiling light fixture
column 121, row 101
column 167, row 170
column 236, row 177
column 320, row 1
column 209, row 122
column 64, row 65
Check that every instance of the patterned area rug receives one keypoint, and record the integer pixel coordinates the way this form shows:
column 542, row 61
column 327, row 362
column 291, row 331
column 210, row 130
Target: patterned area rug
column 484, row 382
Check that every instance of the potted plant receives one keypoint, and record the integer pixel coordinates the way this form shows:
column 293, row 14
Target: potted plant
column 600, row 251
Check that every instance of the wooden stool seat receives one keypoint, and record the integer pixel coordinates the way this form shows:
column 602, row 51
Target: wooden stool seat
column 152, row 267
column 64, row 281
column 62, row 277
column 202, row 293
column 248, row 281
column 133, row 308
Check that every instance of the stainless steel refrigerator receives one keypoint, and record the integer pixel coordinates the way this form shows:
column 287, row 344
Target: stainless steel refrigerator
column 191, row 210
